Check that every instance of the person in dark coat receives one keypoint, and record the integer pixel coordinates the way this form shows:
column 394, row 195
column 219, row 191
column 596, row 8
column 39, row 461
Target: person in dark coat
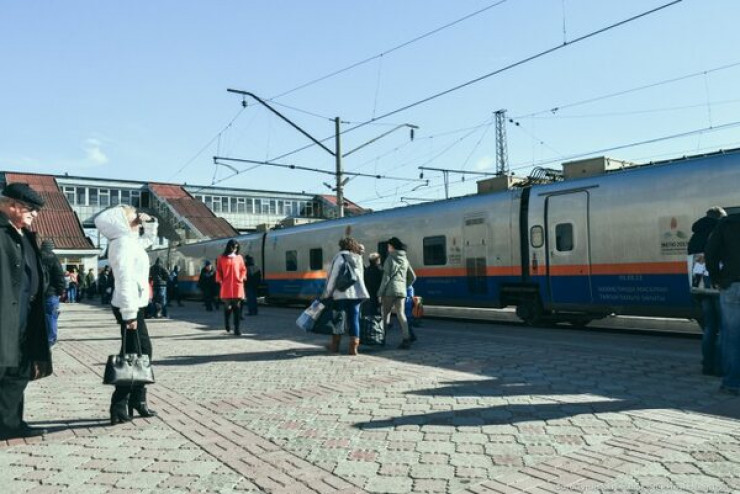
column 251, row 284
column 55, row 290
column 708, row 298
column 723, row 263
column 105, row 285
column 373, row 277
column 24, row 346
column 207, row 284
column 159, row 277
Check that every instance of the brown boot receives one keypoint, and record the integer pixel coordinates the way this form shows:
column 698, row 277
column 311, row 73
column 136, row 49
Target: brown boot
column 333, row 347
column 354, row 344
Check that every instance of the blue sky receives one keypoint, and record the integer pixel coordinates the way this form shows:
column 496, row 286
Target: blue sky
column 137, row 90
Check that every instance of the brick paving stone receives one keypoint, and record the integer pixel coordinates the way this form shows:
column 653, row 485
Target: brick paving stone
column 596, row 414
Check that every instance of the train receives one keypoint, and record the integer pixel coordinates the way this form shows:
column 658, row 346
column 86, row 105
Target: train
column 611, row 242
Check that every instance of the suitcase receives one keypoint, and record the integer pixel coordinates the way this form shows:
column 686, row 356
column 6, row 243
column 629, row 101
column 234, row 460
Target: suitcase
column 371, row 331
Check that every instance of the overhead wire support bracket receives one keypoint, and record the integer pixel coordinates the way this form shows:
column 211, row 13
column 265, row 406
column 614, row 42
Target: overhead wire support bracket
column 283, row 117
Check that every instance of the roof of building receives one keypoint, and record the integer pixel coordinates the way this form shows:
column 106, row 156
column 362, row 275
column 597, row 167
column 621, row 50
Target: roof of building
column 193, row 211
column 349, row 206
column 56, row 220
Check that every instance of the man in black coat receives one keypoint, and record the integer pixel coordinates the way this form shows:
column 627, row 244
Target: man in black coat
column 24, row 349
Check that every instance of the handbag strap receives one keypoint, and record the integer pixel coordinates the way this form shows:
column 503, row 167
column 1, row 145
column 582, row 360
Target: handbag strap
column 123, row 340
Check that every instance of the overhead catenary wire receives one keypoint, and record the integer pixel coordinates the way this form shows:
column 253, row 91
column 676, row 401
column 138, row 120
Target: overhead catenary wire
column 517, row 64
column 555, row 109
column 389, row 51
column 678, row 135
column 483, row 77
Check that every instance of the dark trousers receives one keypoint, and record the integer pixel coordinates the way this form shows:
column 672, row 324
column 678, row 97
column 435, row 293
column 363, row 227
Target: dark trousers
column 120, row 396
column 252, row 301
column 13, row 382
column 232, row 306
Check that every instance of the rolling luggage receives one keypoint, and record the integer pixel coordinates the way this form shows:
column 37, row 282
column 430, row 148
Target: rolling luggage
column 371, row 330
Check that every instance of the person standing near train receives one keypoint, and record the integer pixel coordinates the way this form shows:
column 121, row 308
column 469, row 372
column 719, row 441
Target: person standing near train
column 207, row 285
column 397, row 277
column 230, row 273
column 708, row 297
column 251, row 284
column 55, row 289
column 723, row 263
column 347, row 299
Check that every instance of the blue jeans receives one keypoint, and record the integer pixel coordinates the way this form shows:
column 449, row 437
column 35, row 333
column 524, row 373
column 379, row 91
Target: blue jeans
column 730, row 336
column 51, row 307
column 252, row 301
column 351, row 309
column 72, row 293
column 160, row 298
column 710, row 348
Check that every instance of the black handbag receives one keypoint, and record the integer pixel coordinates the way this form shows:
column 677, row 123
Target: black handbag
column 330, row 321
column 128, row 368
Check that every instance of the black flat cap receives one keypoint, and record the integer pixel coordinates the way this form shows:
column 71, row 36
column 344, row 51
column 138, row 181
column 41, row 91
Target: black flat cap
column 24, row 193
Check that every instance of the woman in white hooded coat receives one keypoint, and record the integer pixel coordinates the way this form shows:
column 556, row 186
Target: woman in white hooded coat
column 127, row 256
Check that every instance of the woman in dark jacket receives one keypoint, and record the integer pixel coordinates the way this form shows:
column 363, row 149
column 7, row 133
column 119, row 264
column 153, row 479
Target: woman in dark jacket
column 251, row 284
column 373, row 277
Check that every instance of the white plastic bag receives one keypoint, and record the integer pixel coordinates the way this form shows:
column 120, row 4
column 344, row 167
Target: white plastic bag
column 308, row 317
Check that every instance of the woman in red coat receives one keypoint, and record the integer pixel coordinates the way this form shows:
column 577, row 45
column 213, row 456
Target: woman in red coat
column 230, row 273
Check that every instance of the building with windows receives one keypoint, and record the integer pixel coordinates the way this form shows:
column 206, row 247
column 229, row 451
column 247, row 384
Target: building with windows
column 186, row 213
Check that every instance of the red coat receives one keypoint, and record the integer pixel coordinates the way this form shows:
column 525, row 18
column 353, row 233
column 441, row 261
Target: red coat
column 231, row 273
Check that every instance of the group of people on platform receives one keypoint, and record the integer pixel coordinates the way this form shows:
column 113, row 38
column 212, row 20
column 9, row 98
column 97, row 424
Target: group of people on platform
column 379, row 288
column 714, row 271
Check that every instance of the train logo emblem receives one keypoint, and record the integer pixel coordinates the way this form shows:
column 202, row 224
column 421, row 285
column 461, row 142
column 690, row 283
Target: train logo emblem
column 674, row 239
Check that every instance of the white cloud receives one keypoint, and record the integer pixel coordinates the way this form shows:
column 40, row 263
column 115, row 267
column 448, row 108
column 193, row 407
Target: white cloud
column 94, row 152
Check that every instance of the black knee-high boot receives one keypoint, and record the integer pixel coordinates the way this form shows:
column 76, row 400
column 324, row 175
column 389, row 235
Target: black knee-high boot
column 137, row 401
column 118, row 404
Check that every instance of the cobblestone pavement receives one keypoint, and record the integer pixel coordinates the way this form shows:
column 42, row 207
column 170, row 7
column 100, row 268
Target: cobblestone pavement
column 474, row 408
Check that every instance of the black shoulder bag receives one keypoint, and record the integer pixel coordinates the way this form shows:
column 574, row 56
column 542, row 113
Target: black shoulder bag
column 128, row 368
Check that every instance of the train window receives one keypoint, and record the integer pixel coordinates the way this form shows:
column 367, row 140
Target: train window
column 564, row 237
column 435, row 251
column 316, row 259
column 537, row 236
column 291, row 260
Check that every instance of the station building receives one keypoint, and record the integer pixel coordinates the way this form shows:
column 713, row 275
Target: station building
column 186, row 213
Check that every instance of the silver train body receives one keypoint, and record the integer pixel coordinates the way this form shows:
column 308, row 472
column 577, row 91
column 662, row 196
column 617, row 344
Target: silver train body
column 573, row 250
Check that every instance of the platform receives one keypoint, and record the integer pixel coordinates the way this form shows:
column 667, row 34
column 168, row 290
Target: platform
column 470, row 408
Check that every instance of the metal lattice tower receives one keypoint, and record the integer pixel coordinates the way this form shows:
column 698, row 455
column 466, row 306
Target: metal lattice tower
column 502, row 154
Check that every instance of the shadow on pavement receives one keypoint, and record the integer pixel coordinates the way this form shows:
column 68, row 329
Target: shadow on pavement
column 241, row 357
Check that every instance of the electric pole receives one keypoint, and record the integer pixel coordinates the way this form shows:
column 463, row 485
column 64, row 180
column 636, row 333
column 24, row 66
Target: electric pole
column 338, row 155
column 502, row 154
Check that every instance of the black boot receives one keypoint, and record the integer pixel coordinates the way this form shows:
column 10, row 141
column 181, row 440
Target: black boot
column 137, row 401
column 227, row 323
column 118, row 403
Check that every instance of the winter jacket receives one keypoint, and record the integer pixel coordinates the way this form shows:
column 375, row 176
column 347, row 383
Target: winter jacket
column 128, row 260
column 357, row 291
column 723, row 249
column 35, row 348
column 373, row 278
column 158, row 275
column 230, row 272
column 55, row 271
column 254, row 276
column 701, row 228
column 397, row 275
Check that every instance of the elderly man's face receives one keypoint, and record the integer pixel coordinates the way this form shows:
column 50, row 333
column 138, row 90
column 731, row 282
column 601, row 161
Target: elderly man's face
column 21, row 214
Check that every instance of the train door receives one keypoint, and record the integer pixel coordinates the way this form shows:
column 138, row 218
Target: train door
column 475, row 232
column 568, row 248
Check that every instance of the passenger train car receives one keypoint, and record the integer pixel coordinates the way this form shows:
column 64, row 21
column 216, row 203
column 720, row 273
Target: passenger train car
column 572, row 250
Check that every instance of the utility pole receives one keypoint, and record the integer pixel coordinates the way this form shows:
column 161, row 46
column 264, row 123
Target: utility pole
column 502, row 155
column 338, row 155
